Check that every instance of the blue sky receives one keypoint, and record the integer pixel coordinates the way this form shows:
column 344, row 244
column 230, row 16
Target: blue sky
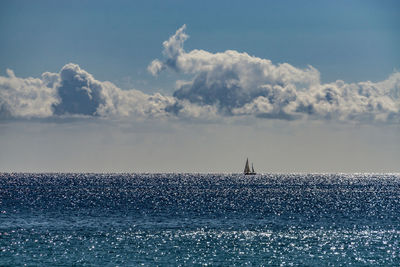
column 198, row 86
column 116, row 40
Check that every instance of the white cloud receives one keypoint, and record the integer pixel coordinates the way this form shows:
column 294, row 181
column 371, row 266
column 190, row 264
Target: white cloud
column 80, row 93
column 155, row 67
column 223, row 84
column 26, row 97
column 73, row 92
column 239, row 84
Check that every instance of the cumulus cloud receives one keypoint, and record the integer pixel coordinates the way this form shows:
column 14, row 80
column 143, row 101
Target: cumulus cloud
column 224, row 84
column 74, row 91
column 80, row 93
column 239, row 84
column 155, row 67
column 26, row 97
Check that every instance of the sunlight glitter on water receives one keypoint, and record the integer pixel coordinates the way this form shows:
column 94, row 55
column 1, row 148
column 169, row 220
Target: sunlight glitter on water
column 91, row 219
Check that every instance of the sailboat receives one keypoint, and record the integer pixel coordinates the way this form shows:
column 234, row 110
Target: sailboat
column 247, row 168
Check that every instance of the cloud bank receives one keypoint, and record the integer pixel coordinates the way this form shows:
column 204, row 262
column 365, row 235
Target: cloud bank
column 227, row 84
column 73, row 91
column 239, row 84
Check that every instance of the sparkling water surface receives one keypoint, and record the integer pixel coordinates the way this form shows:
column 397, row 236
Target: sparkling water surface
column 196, row 219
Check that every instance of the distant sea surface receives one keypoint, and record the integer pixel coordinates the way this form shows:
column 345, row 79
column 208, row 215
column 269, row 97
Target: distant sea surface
column 195, row 219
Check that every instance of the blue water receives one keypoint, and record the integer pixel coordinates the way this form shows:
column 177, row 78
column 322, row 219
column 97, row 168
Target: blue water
column 194, row 219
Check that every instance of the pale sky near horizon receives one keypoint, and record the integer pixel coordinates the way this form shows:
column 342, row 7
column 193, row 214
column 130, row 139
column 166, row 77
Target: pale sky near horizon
column 185, row 86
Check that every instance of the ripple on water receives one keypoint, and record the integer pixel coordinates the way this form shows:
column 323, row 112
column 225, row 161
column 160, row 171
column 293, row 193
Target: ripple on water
column 119, row 219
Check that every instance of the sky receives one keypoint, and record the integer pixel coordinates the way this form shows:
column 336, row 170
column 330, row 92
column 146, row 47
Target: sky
column 185, row 86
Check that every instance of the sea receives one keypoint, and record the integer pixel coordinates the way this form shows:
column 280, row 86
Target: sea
column 89, row 219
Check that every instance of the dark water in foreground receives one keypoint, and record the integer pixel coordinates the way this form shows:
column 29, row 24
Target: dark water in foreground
column 192, row 219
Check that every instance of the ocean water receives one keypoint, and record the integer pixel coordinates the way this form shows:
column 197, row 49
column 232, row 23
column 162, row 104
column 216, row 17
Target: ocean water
column 195, row 219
